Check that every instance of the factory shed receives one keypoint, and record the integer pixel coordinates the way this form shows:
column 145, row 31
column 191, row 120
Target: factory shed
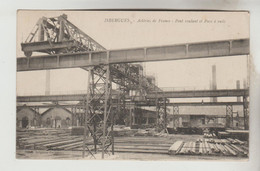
column 57, row 118
column 193, row 120
column 205, row 116
column 143, row 117
column 27, row 117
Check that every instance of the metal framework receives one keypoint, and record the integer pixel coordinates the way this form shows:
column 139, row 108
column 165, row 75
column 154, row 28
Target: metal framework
column 229, row 116
column 73, row 107
column 175, row 114
column 58, row 36
column 151, row 97
column 161, row 110
column 69, row 47
column 246, row 112
column 98, row 109
column 146, row 54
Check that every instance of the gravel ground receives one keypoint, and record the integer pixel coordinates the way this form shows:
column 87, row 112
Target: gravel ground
column 77, row 155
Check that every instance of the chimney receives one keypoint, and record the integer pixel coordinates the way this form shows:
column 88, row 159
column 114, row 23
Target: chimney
column 214, row 81
column 238, row 87
column 48, row 77
column 210, row 87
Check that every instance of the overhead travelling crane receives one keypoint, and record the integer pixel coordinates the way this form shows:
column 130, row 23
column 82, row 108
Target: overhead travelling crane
column 69, row 47
column 58, row 36
column 211, row 49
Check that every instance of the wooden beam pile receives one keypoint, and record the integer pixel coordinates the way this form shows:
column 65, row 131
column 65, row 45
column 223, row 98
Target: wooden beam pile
column 36, row 140
column 226, row 147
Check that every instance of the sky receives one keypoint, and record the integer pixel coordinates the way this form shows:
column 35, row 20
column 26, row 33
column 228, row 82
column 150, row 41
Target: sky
column 183, row 74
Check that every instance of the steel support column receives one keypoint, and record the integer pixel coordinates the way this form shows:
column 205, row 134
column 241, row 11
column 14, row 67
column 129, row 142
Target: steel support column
column 161, row 109
column 87, row 113
column 246, row 113
column 165, row 115
column 112, row 132
column 98, row 105
column 229, row 116
column 121, row 100
column 175, row 114
column 157, row 114
column 106, row 108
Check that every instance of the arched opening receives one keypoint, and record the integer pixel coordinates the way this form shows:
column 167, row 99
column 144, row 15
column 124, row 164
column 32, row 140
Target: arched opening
column 34, row 122
column 57, row 122
column 48, row 122
column 25, row 122
column 67, row 121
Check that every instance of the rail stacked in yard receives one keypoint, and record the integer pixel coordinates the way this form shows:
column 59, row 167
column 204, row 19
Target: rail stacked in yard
column 62, row 140
column 195, row 130
column 236, row 134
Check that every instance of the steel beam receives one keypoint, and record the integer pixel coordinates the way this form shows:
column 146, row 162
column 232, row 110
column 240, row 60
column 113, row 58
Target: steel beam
column 194, row 104
column 158, row 53
column 140, row 104
column 51, row 98
column 199, row 93
column 44, row 46
column 169, row 94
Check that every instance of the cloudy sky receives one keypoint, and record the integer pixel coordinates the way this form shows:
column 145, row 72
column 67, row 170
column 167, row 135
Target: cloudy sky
column 116, row 35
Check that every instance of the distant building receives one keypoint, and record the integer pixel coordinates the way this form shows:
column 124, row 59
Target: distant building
column 192, row 120
column 206, row 116
column 143, row 117
column 56, row 118
column 27, row 117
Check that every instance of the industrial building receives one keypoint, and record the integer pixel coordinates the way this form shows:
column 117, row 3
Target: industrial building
column 27, row 117
column 119, row 94
column 61, row 117
column 57, row 118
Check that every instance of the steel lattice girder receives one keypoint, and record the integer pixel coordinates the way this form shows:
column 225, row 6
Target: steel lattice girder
column 175, row 109
column 171, row 52
column 95, row 102
column 98, row 108
column 137, row 104
column 161, row 109
column 229, row 116
column 173, row 94
column 246, row 112
column 58, row 35
column 175, row 114
column 128, row 77
column 131, row 75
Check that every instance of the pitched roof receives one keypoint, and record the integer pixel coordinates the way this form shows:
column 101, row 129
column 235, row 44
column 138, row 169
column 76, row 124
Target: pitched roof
column 24, row 107
column 56, row 108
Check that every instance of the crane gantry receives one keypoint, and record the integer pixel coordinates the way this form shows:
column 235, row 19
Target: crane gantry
column 58, row 36
column 67, row 46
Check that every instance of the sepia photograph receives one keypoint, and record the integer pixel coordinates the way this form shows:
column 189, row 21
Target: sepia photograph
column 133, row 85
